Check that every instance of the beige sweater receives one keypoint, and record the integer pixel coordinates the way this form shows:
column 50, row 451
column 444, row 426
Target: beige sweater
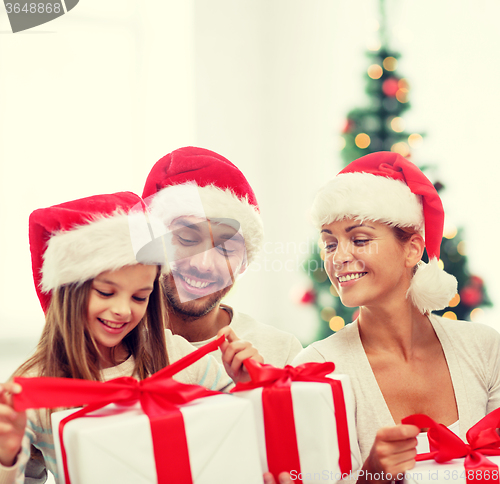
column 472, row 352
column 206, row 372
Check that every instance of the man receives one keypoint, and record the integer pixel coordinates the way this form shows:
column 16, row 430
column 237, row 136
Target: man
column 214, row 232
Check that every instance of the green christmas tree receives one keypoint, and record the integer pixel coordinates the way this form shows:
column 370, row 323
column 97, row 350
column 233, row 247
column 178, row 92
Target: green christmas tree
column 380, row 126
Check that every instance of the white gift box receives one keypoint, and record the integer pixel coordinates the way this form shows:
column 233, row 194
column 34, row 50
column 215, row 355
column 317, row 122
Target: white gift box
column 452, row 472
column 316, row 429
column 117, row 447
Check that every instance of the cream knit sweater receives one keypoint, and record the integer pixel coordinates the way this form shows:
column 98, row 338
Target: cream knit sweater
column 472, row 352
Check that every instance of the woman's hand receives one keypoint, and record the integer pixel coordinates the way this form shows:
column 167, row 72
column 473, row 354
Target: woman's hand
column 234, row 352
column 12, row 425
column 284, row 478
column 392, row 454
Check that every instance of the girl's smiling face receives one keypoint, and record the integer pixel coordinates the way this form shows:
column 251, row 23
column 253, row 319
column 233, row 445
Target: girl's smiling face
column 365, row 262
column 117, row 302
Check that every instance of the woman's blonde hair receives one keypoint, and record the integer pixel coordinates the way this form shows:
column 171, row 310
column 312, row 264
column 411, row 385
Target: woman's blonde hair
column 403, row 235
column 67, row 349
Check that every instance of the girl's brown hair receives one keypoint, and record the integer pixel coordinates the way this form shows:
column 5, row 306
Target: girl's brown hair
column 67, row 349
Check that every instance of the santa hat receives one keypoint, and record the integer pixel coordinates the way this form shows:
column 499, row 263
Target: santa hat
column 76, row 241
column 200, row 182
column 386, row 187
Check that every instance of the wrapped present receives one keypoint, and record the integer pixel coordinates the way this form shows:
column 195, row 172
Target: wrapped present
column 452, row 460
column 219, row 433
column 152, row 431
column 305, row 420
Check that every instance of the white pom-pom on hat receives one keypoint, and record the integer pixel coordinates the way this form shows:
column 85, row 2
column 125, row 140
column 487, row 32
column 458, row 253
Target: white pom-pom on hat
column 431, row 287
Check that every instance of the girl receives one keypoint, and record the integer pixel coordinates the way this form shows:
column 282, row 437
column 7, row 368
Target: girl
column 375, row 218
column 103, row 317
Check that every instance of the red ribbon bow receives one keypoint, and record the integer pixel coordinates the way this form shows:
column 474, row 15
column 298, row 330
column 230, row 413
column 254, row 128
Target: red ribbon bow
column 159, row 396
column 482, row 440
column 281, row 437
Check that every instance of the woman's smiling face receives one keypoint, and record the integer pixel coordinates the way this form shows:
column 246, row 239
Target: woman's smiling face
column 365, row 262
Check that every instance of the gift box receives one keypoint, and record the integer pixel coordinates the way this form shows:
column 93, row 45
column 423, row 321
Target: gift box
column 305, row 420
column 450, row 472
column 452, row 460
column 156, row 430
column 115, row 444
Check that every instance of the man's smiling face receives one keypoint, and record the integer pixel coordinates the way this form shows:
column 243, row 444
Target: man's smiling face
column 205, row 257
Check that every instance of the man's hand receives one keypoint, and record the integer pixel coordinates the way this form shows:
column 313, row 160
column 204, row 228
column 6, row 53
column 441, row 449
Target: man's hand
column 234, row 352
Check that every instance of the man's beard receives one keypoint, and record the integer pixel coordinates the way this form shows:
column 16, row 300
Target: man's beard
column 194, row 309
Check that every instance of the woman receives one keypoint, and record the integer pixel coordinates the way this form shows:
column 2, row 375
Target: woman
column 401, row 358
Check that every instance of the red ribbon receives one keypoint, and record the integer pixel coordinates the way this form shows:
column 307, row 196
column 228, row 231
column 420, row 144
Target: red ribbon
column 279, row 423
column 444, row 445
column 159, row 396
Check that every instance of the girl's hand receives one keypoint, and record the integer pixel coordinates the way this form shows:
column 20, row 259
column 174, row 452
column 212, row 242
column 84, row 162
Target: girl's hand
column 393, row 453
column 284, row 478
column 12, row 425
column 234, row 352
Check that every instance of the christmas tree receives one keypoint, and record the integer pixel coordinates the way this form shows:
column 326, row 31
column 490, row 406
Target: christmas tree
column 381, row 127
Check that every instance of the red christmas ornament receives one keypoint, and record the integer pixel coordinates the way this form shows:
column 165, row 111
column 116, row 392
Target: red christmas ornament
column 349, row 126
column 476, row 281
column 471, row 296
column 390, row 86
column 308, row 297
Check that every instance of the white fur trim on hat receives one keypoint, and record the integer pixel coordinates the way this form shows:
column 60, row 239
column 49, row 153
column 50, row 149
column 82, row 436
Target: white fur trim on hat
column 210, row 202
column 80, row 254
column 368, row 197
column 431, row 288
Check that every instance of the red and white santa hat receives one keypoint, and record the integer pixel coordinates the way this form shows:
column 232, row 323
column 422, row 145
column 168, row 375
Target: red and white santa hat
column 199, row 182
column 76, row 241
column 386, row 187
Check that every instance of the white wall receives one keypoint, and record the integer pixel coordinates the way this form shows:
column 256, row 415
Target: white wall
column 451, row 59
column 89, row 103
column 265, row 100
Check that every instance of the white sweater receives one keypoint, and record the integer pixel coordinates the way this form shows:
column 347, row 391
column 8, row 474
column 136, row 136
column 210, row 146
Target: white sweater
column 206, row 372
column 472, row 352
column 277, row 347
